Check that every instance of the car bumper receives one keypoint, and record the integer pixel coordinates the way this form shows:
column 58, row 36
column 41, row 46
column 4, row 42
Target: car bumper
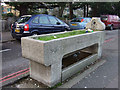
column 76, row 28
column 18, row 36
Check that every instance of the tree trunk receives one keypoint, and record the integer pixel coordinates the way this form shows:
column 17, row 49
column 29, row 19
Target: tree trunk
column 23, row 11
column 94, row 10
column 71, row 10
column 61, row 11
column 87, row 10
column 84, row 10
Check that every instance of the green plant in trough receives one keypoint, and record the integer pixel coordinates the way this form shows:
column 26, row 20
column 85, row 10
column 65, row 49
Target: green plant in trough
column 67, row 34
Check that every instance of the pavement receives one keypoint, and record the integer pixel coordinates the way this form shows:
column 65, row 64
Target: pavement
column 6, row 36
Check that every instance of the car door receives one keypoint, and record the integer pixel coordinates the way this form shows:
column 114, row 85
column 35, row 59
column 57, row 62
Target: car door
column 34, row 24
column 54, row 21
column 83, row 24
column 88, row 20
column 115, row 21
column 62, row 25
column 44, row 24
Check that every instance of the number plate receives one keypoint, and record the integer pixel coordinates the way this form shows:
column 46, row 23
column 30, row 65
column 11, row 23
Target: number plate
column 17, row 30
column 74, row 24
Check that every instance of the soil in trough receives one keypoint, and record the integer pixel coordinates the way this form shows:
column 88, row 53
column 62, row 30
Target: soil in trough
column 69, row 60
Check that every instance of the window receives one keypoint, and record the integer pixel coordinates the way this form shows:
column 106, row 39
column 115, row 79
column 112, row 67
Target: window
column 88, row 20
column 76, row 20
column 52, row 20
column 104, row 18
column 23, row 19
column 60, row 21
column 8, row 9
column 44, row 20
column 85, row 20
column 117, row 18
column 35, row 20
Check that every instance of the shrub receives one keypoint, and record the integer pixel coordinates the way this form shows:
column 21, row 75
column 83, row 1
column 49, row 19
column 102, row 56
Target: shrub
column 10, row 15
column 5, row 16
column 45, row 12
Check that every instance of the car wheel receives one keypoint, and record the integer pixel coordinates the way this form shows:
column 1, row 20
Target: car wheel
column 35, row 33
column 67, row 30
column 111, row 27
column 18, row 39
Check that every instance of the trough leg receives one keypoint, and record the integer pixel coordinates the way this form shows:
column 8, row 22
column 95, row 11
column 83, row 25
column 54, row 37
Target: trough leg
column 48, row 75
column 99, row 51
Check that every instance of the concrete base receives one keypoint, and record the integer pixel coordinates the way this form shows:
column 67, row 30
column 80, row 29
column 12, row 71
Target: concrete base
column 51, row 75
column 48, row 75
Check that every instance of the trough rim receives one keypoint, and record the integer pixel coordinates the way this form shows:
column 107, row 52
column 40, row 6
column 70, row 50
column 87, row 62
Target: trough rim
column 32, row 37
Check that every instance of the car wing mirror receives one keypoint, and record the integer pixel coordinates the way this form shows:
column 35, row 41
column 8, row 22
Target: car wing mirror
column 58, row 23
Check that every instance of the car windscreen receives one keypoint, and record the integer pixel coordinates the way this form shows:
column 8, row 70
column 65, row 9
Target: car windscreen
column 76, row 20
column 104, row 18
column 23, row 19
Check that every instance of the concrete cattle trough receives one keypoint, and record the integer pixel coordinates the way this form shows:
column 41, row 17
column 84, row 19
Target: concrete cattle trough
column 47, row 58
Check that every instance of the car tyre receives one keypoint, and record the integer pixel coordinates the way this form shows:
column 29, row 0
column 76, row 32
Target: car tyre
column 35, row 33
column 67, row 29
column 111, row 27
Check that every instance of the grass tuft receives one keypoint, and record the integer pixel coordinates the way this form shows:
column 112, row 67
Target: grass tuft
column 67, row 34
column 57, row 85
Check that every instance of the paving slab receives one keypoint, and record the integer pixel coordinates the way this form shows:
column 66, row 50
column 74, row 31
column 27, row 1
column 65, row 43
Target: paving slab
column 6, row 36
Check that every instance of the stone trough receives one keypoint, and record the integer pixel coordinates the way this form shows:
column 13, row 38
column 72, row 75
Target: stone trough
column 46, row 56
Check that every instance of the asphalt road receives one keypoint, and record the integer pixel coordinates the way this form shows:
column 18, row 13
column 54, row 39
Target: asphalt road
column 105, row 76
column 12, row 60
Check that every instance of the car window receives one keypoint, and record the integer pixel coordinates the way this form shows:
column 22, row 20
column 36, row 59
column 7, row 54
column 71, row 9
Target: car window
column 85, row 20
column 88, row 20
column 23, row 19
column 35, row 20
column 117, row 18
column 44, row 20
column 60, row 21
column 52, row 20
column 104, row 18
column 76, row 20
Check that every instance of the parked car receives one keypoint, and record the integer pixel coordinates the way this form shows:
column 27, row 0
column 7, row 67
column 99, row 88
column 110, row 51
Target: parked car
column 111, row 21
column 38, row 24
column 79, row 23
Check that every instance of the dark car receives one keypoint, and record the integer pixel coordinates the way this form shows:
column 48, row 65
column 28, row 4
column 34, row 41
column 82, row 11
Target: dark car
column 38, row 24
column 79, row 23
